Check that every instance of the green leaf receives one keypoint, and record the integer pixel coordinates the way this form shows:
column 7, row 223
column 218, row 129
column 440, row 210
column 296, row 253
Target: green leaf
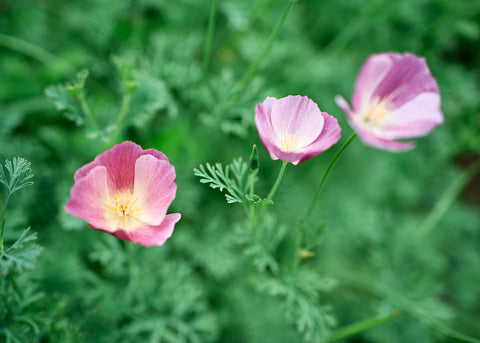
column 218, row 177
column 18, row 175
column 21, row 255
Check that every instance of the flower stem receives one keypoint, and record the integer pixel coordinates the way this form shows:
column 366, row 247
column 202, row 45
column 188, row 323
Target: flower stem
column 277, row 182
column 361, row 326
column 209, row 39
column 243, row 82
column 122, row 117
column 446, row 200
column 4, row 217
column 325, row 174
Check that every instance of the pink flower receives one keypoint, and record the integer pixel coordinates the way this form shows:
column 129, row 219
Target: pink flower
column 294, row 129
column 126, row 192
column 395, row 97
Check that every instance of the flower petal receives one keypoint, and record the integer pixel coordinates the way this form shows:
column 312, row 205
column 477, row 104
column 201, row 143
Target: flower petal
column 408, row 77
column 415, row 118
column 369, row 77
column 386, row 144
column 297, row 116
column 264, row 124
column 88, row 198
column 119, row 162
column 154, row 188
column 330, row 135
column 150, row 235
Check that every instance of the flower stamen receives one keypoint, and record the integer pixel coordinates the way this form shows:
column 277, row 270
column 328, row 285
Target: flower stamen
column 123, row 208
column 288, row 143
column 377, row 111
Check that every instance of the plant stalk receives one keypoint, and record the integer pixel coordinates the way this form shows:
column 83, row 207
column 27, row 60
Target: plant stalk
column 324, row 177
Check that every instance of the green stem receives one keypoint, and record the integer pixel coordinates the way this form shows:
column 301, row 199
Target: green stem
column 4, row 218
column 277, row 182
column 364, row 325
column 446, row 200
column 243, row 82
column 35, row 52
column 122, row 117
column 209, row 39
column 88, row 113
column 325, row 174
column 14, row 283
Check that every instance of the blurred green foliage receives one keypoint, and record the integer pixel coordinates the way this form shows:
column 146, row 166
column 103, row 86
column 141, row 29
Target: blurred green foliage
column 79, row 76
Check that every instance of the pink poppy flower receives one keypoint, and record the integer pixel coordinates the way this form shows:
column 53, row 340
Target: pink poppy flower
column 395, row 97
column 126, row 192
column 293, row 129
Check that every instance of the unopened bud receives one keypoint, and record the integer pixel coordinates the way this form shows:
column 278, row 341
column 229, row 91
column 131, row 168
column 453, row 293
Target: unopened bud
column 254, row 163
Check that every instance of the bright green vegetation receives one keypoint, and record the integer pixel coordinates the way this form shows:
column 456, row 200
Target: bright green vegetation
column 392, row 246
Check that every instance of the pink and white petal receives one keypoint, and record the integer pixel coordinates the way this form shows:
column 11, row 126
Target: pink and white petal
column 149, row 235
column 263, row 120
column 154, row 188
column 330, row 135
column 298, row 116
column 408, row 77
column 88, row 198
column 415, row 118
column 371, row 74
column 381, row 143
column 119, row 162
column 264, row 124
column 155, row 153
column 345, row 106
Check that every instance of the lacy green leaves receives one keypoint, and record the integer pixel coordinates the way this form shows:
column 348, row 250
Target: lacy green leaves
column 230, row 178
column 21, row 255
column 18, row 175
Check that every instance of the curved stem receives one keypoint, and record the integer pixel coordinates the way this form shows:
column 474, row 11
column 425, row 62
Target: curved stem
column 361, row 326
column 209, row 39
column 325, row 174
column 446, row 200
column 277, row 182
column 243, row 82
column 4, row 217
column 122, row 117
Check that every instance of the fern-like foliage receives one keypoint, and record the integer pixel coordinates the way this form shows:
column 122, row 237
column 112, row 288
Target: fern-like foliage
column 18, row 175
column 218, row 177
column 21, row 255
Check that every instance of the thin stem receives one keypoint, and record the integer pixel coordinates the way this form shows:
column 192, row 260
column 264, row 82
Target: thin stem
column 325, row 174
column 446, row 200
column 88, row 113
column 4, row 218
column 253, row 211
column 243, row 82
column 209, row 39
column 122, row 117
column 14, row 283
column 364, row 325
column 277, row 182
column 35, row 52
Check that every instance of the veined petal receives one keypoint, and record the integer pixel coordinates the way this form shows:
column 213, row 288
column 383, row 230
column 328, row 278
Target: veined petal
column 149, row 235
column 88, row 198
column 119, row 162
column 298, row 117
column 264, row 124
column 154, row 188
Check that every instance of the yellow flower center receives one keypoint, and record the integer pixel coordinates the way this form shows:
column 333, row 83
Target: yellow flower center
column 123, row 209
column 376, row 112
column 288, row 143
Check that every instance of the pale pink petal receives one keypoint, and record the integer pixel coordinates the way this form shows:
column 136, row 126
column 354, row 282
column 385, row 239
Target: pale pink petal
column 345, row 106
column 330, row 135
column 371, row 74
column 149, row 235
column 385, row 144
column 408, row 77
column 297, row 116
column 154, row 188
column 264, row 124
column 89, row 197
column 416, row 118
